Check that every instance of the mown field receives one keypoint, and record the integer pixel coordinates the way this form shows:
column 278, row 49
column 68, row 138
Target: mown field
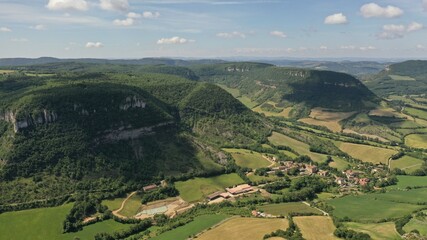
column 247, row 158
column 374, row 207
column 378, row 231
column 366, row 153
column 416, row 140
column 416, row 112
column 407, row 163
column 409, row 181
column 417, row 223
column 113, row 204
column 199, row 224
column 316, row 227
column 46, row 223
column 244, row 228
column 339, row 163
column 286, row 208
column 131, row 206
column 328, row 119
column 279, row 139
column 198, row 188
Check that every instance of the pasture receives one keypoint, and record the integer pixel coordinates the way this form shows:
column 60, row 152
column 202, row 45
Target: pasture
column 377, row 231
column 325, row 118
column 366, row 153
column 247, row 102
column 6, row 71
column 286, row 208
column 316, row 227
column 248, row 158
column 416, row 141
column 410, row 181
column 339, row 163
column 377, row 206
column 401, row 78
column 113, row 204
column 407, row 163
column 244, row 228
column 416, row 112
column 417, row 223
column 46, row 223
column 284, row 113
column 279, row 139
column 131, row 207
column 199, row 224
column 197, row 189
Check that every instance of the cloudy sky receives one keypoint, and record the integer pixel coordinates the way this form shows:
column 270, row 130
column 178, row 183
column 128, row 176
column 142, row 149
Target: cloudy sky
column 213, row 28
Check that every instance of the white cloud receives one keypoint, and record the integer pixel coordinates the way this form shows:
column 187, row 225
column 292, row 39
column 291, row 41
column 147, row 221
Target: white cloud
column 94, row 45
column 422, row 47
column 174, row 40
column 20, row 40
column 371, row 10
column 151, row 14
column 133, row 15
column 337, row 18
column 367, row 48
column 79, row 5
column 323, row 47
column 414, row 26
column 39, row 27
column 278, row 34
column 349, row 47
column 125, row 22
column 234, row 34
column 393, row 31
column 114, row 5
column 5, row 29
column 425, row 5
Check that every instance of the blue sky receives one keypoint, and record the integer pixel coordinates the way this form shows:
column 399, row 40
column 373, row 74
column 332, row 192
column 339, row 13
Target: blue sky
column 213, row 28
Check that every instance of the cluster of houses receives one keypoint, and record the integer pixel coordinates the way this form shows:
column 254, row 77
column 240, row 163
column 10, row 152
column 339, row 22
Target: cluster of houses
column 304, row 169
column 231, row 192
column 261, row 214
column 352, row 179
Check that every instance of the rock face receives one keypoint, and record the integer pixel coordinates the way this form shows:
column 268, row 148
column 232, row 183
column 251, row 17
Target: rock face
column 132, row 102
column 43, row 117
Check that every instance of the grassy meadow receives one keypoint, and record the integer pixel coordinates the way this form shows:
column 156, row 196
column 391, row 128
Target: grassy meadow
column 407, row 163
column 286, row 208
column 377, row 231
column 316, row 227
column 248, row 158
column 416, row 141
column 198, row 188
column 409, row 181
column 366, row 153
column 131, row 206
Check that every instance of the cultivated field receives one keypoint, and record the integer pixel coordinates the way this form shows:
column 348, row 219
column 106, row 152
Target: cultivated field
column 410, row 181
column 417, row 223
column 374, row 207
column 416, row 141
column 284, row 113
column 279, row 139
column 247, row 158
column 416, row 112
column 46, row 223
column 286, row 208
column 244, row 228
column 6, row 71
column 407, row 163
column 377, row 231
column 199, row 224
column 131, row 207
column 339, row 163
column 325, row 118
column 401, row 78
column 198, row 188
column 316, row 227
column 366, row 153
column 113, row 204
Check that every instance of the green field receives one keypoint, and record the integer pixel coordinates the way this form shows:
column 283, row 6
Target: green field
column 257, row 178
column 113, row 204
column 285, row 208
column 46, row 223
column 416, row 141
column 233, row 91
column 316, row 227
column 374, row 207
column 407, row 163
column 366, row 153
column 131, row 206
column 339, row 163
column 416, row 112
column 279, row 139
column 377, row 231
column 418, row 223
column 198, row 188
column 401, row 78
column 247, row 102
column 410, row 181
column 199, row 224
column 247, row 158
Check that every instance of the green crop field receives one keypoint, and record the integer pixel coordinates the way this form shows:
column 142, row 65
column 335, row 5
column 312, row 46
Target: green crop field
column 316, row 227
column 407, row 163
column 417, row 223
column 377, row 231
column 416, row 112
column 199, row 224
column 46, row 223
column 131, row 206
column 198, row 188
column 279, row 139
column 401, row 78
column 247, row 158
column 410, row 181
column 286, row 208
column 366, row 153
column 416, row 140
column 339, row 163
column 374, row 207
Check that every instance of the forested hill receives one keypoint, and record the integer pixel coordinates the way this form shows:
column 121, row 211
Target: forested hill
column 408, row 77
column 284, row 86
column 77, row 127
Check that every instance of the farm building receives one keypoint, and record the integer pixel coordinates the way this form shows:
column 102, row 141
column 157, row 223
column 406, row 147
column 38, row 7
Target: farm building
column 150, row 187
column 239, row 189
column 311, row 169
